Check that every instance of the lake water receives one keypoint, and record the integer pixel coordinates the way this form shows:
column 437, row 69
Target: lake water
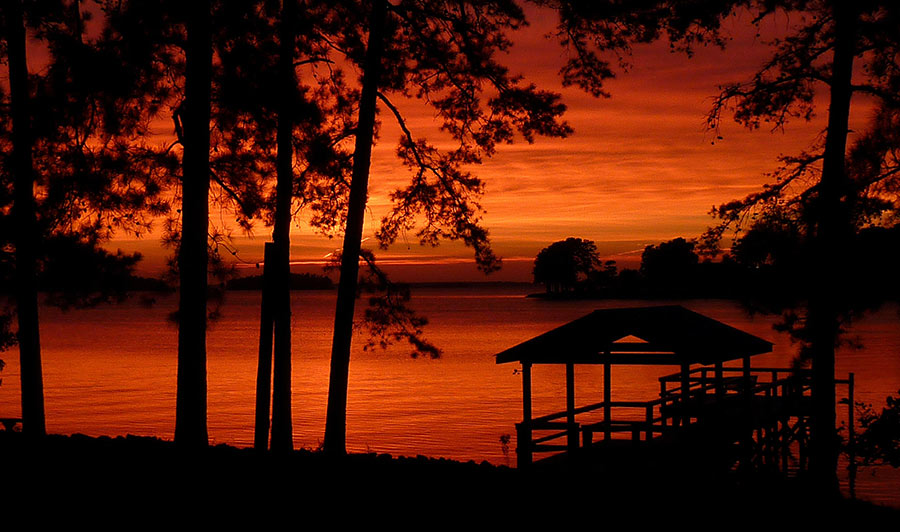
column 111, row 370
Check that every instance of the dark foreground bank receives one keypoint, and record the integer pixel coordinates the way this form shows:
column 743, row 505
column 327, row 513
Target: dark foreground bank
column 75, row 478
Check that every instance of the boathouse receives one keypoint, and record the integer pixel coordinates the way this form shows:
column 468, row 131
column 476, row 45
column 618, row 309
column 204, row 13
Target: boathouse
column 756, row 414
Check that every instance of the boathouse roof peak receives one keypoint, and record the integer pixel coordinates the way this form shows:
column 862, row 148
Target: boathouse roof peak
column 641, row 335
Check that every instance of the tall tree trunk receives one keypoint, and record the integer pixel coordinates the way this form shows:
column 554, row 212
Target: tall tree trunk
column 193, row 258
column 830, row 240
column 336, row 416
column 26, row 235
column 282, row 427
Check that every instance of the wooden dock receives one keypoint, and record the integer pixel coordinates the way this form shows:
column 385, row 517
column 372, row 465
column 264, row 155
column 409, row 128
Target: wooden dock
column 761, row 423
column 725, row 416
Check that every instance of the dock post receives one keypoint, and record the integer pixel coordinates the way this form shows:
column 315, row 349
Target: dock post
column 570, row 408
column 607, row 399
column 747, row 376
column 649, row 421
column 524, row 450
column 685, row 394
column 720, row 383
column 785, row 441
column 851, row 443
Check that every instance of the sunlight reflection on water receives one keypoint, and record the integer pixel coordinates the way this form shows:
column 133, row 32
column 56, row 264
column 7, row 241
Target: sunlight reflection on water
column 112, row 370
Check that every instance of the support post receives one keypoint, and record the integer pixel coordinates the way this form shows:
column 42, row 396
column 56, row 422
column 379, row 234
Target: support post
column 607, row 399
column 524, row 450
column 570, row 408
column 526, row 391
column 720, row 381
column 851, row 443
column 685, row 393
column 747, row 375
column 785, row 443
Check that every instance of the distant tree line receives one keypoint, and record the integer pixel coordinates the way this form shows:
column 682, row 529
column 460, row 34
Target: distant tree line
column 298, row 281
column 766, row 267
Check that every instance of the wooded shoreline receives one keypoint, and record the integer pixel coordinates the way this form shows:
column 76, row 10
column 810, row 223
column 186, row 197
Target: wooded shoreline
column 131, row 473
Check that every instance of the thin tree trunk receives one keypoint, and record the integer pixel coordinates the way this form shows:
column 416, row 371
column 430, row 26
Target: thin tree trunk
column 190, row 409
column 25, row 233
column 336, row 416
column 830, row 240
column 264, row 367
column 282, row 427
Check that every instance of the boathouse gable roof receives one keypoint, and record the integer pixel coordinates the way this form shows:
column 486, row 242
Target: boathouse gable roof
column 642, row 335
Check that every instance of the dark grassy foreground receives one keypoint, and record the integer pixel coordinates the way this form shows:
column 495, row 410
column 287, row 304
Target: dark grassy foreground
column 137, row 482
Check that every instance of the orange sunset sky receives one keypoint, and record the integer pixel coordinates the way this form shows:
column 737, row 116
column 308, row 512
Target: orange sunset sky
column 639, row 169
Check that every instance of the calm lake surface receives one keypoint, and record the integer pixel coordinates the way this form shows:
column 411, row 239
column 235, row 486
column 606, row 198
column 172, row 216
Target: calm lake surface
column 111, row 370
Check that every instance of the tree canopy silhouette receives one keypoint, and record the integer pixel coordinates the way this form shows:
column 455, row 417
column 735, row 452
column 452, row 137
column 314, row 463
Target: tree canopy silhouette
column 28, row 334
column 443, row 53
column 562, row 265
column 670, row 268
column 171, row 45
column 258, row 127
column 76, row 167
column 832, row 191
column 282, row 98
column 599, row 36
column 879, row 441
column 281, row 118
